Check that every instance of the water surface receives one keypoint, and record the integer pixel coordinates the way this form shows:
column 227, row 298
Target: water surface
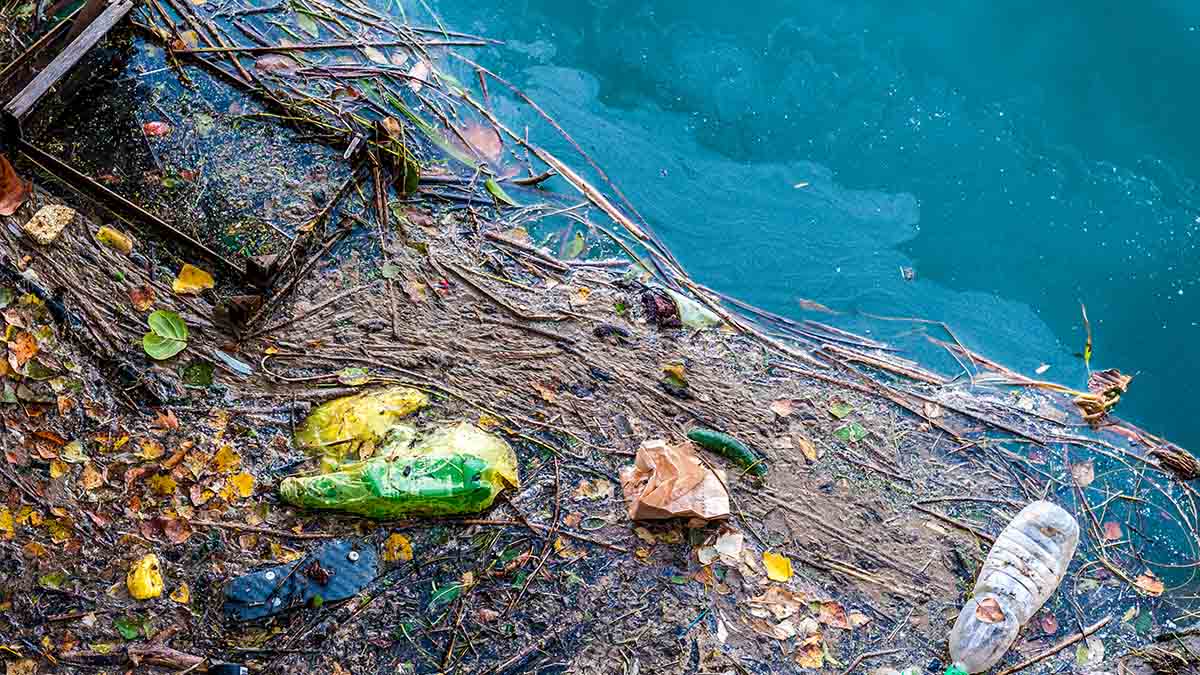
column 1019, row 158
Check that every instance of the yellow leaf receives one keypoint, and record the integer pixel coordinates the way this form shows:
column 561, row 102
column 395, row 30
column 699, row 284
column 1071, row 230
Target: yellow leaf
column 779, row 567
column 397, row 548
column 118, row 241
column 811, row 653
column 73, row 453
column 243, row 483
column 227, row 461
column 284, row 554
column 151, row 449
column 582, row 295
column 162, row 484
column 7, row 528
column 145, row 578
column 488, row 422
column 192, row 280
column 58, row 469
column 182, row 595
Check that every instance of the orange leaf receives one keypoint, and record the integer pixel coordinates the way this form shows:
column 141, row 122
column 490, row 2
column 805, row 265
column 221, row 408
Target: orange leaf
column 1150, row 585
column 142, row 298
column 989, row 611
column 1112, row 531
column 13, row 190
column 484, row 140
column 833, row 615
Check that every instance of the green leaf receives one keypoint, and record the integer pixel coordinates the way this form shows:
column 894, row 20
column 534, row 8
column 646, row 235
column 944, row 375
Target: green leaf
column 354, row 377
column 198, row 374
column 160, row 348
column 308, row 24
column 498, row 192
column 575, row 248
column 53, row 581
column 840, row 409
column 851, row 433
column 168, row 325
column 130, row 626
column 389, row 271
column 167, row 337
column 444, row 596
column 6, row 297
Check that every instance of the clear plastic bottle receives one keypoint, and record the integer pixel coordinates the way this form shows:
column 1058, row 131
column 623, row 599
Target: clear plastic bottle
column 1021, row 572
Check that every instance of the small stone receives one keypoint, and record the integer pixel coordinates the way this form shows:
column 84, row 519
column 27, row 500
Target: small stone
column 49, row 221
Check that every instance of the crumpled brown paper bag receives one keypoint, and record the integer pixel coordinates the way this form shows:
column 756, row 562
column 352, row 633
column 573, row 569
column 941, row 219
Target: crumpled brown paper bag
column 670, row 481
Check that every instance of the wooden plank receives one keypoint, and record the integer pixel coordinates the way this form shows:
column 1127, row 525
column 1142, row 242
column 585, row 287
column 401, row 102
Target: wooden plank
column 23, row 102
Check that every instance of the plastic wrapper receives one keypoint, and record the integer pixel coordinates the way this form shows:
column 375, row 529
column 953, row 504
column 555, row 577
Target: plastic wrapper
column 456, row 469
column 670, row 481
column 353, row 426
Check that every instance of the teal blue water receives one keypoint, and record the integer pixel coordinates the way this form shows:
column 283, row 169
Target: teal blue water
column 1020, row 157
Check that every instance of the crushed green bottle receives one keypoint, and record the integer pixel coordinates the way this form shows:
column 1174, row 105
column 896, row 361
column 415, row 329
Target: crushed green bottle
column 452, row 470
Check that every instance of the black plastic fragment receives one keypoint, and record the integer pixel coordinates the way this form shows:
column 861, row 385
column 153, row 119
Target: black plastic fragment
column 335, row 571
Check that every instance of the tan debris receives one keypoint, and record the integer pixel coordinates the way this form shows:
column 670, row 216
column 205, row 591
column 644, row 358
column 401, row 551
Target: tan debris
column 49, row 221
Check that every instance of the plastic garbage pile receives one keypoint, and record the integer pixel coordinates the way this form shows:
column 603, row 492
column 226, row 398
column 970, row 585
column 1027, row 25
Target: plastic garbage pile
column 1023, row 569
column 453, row 469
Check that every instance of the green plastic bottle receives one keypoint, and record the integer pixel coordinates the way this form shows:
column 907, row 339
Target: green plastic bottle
column 453, row 470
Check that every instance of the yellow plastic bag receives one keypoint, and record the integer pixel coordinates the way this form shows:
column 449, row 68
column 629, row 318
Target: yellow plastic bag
column 353, row 426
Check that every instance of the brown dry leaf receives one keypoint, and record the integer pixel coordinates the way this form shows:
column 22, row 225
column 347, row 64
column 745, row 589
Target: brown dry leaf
column 782, row 407
column 142, row 298
column 545, row 392
column 275, row 63
column 1150, row 584
column 200, row 495
column 594, row 489
column 166, row 421
column 1112, row 531
column 777, row 602
column 784, row 630
column 1083, row 473
column 811, row 653
column 182, row 595
column 832, row 614
column 156, row 128
column 13, row 190
column 989, row 611
column 485, row 140
column 91, row 478
column 177, row 530
column 932, row 410
column 415, row 290
column 192, row 280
